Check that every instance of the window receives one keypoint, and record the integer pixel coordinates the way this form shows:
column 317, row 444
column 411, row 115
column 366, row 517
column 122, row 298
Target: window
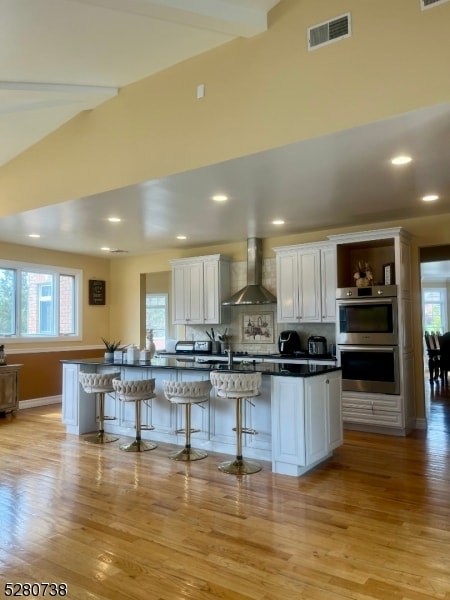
column 156, row 318
column 434, row 305
column 39, row 301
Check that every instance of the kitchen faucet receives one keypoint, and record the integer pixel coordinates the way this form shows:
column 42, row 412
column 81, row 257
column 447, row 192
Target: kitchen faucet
column 229, row 351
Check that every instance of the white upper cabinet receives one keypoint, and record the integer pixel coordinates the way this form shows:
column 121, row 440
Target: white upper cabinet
column 328, row 274
column 199, row 285
column 306, row 283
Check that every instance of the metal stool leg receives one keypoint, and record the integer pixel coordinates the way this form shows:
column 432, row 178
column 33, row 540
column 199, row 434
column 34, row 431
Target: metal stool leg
column 138, row 445
column 239, row 466
column 101, row 437
column 187, row 453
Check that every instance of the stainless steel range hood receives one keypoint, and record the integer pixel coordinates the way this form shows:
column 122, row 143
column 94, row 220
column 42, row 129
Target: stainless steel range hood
column 253, row 292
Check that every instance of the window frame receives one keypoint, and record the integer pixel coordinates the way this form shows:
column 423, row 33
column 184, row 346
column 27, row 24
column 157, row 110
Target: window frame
column 165, row 295
column 441, row 289
column 56, row 271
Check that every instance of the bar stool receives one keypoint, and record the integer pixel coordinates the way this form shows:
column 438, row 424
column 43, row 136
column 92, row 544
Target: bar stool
column 99, row 384
column 187, row 393
column 238, row 386
column 137, row 392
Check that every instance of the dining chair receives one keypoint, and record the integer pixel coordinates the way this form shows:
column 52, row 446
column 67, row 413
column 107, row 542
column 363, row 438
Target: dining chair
column 444, row 356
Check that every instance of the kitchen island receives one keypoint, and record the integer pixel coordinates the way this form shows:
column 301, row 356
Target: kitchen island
column 298, row 414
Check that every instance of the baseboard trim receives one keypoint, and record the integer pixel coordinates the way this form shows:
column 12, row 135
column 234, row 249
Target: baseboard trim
column 40, row 402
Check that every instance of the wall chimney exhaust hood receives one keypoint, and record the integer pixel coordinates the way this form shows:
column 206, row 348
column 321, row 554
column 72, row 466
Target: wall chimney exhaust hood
column 253, row 292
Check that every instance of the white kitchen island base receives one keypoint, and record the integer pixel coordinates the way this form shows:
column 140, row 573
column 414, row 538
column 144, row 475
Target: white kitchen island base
column 298, row 418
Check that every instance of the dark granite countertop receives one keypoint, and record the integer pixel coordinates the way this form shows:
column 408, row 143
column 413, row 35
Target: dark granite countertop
column 266, row 368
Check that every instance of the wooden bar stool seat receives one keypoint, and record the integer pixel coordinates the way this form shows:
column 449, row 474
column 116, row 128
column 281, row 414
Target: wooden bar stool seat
column 99, row 384
column 187, row 393
column 237, row 386
column 136, row 391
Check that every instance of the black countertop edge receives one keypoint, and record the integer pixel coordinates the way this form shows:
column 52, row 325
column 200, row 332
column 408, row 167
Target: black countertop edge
column 285, row 369
column 239, row 356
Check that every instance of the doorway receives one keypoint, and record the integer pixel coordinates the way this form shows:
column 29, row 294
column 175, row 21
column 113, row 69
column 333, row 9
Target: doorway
column 435, row 304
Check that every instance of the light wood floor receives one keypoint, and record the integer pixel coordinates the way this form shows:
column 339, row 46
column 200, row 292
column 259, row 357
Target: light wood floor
column 373, row 522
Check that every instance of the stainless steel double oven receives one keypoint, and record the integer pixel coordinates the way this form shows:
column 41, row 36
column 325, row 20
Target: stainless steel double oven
column 367, row 339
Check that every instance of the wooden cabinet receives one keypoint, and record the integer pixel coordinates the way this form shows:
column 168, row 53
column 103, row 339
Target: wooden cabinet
column 9, row 388
column 306, row 421
column 306, row 283
column 199, row 286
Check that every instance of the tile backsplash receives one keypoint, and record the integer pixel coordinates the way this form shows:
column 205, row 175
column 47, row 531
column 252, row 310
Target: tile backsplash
column 259, row 320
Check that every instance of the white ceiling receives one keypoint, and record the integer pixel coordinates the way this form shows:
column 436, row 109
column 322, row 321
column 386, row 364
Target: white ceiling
column 50, row 72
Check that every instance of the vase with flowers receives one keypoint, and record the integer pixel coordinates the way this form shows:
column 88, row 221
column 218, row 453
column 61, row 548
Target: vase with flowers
column 363, row 274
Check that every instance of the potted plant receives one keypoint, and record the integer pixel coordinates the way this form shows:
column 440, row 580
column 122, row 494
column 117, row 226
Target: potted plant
column 111, row 347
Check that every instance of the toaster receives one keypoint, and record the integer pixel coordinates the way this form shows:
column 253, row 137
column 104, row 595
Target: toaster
column 317, row 344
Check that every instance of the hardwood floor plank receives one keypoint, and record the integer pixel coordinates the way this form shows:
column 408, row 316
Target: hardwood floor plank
column 373, row 522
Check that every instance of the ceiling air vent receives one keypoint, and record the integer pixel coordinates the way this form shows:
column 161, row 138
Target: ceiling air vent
column 429, row 3
column 329, row 31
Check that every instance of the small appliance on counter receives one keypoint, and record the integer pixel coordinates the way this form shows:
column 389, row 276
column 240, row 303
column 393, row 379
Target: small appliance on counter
column 317, row 345
column 289, row 342
column 191, row 347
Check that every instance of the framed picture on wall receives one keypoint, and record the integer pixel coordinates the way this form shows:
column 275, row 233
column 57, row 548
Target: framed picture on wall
column 97, row 292
column 257, row 328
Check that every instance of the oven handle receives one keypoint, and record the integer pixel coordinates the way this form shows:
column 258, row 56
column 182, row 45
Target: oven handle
column 391, row 349
column 380, row 300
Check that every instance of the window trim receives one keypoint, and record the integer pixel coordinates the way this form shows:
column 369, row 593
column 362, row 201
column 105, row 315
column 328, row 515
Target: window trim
column 444, row 303
column 166, row 306
column 57, row 271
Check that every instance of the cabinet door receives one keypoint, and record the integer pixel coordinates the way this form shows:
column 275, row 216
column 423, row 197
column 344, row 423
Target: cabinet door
column 211, row 300
column 309, row 285
column 328, row 275
column 288, row 422
column 335, row 429
column 187, row 291
column 257, row 416
column 287, row 287
column 8, row 390
column 70, row 394
column 316, row 419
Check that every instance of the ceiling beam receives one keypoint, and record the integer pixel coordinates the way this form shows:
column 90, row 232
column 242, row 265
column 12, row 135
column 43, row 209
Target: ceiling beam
column 240, row 18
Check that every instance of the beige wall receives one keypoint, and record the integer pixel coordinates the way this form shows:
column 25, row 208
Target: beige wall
column 262, row 92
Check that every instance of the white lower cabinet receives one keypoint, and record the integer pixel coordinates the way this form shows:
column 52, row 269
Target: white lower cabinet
column 297, row 420
column 306, row 421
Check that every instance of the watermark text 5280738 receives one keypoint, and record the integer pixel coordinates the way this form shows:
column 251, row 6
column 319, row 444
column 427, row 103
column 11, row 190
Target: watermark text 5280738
column 35, row 590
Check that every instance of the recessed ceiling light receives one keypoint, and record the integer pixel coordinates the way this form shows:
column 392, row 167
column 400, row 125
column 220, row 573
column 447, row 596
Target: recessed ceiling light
column 278, row 222
column 181, row 237
column 34, row 235
column 401, row 160
column 220, row 198
column 105, row 249
column 114, row 219
column 430, row 197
